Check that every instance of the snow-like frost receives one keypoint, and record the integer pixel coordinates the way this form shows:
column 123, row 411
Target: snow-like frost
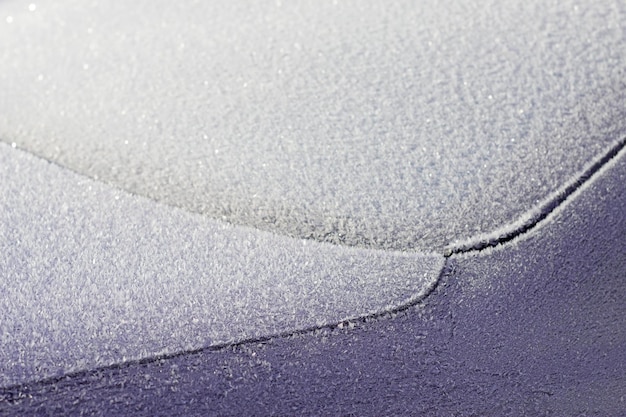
column 368, row 123
column 90, row 276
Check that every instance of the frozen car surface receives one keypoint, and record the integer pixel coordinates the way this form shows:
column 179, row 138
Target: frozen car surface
column 324, row 207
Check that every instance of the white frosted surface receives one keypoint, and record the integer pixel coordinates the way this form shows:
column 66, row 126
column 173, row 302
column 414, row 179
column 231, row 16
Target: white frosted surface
column 90, row 276
column 371, row 123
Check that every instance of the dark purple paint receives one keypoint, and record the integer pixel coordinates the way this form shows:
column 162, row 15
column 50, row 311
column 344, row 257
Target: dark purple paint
column 536, row 328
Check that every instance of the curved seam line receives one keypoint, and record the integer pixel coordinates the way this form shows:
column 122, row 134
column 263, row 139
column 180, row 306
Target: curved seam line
column 545, row 210
column 476, row 243
column 206, row 217
column 5, row 391
column 540, row 212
